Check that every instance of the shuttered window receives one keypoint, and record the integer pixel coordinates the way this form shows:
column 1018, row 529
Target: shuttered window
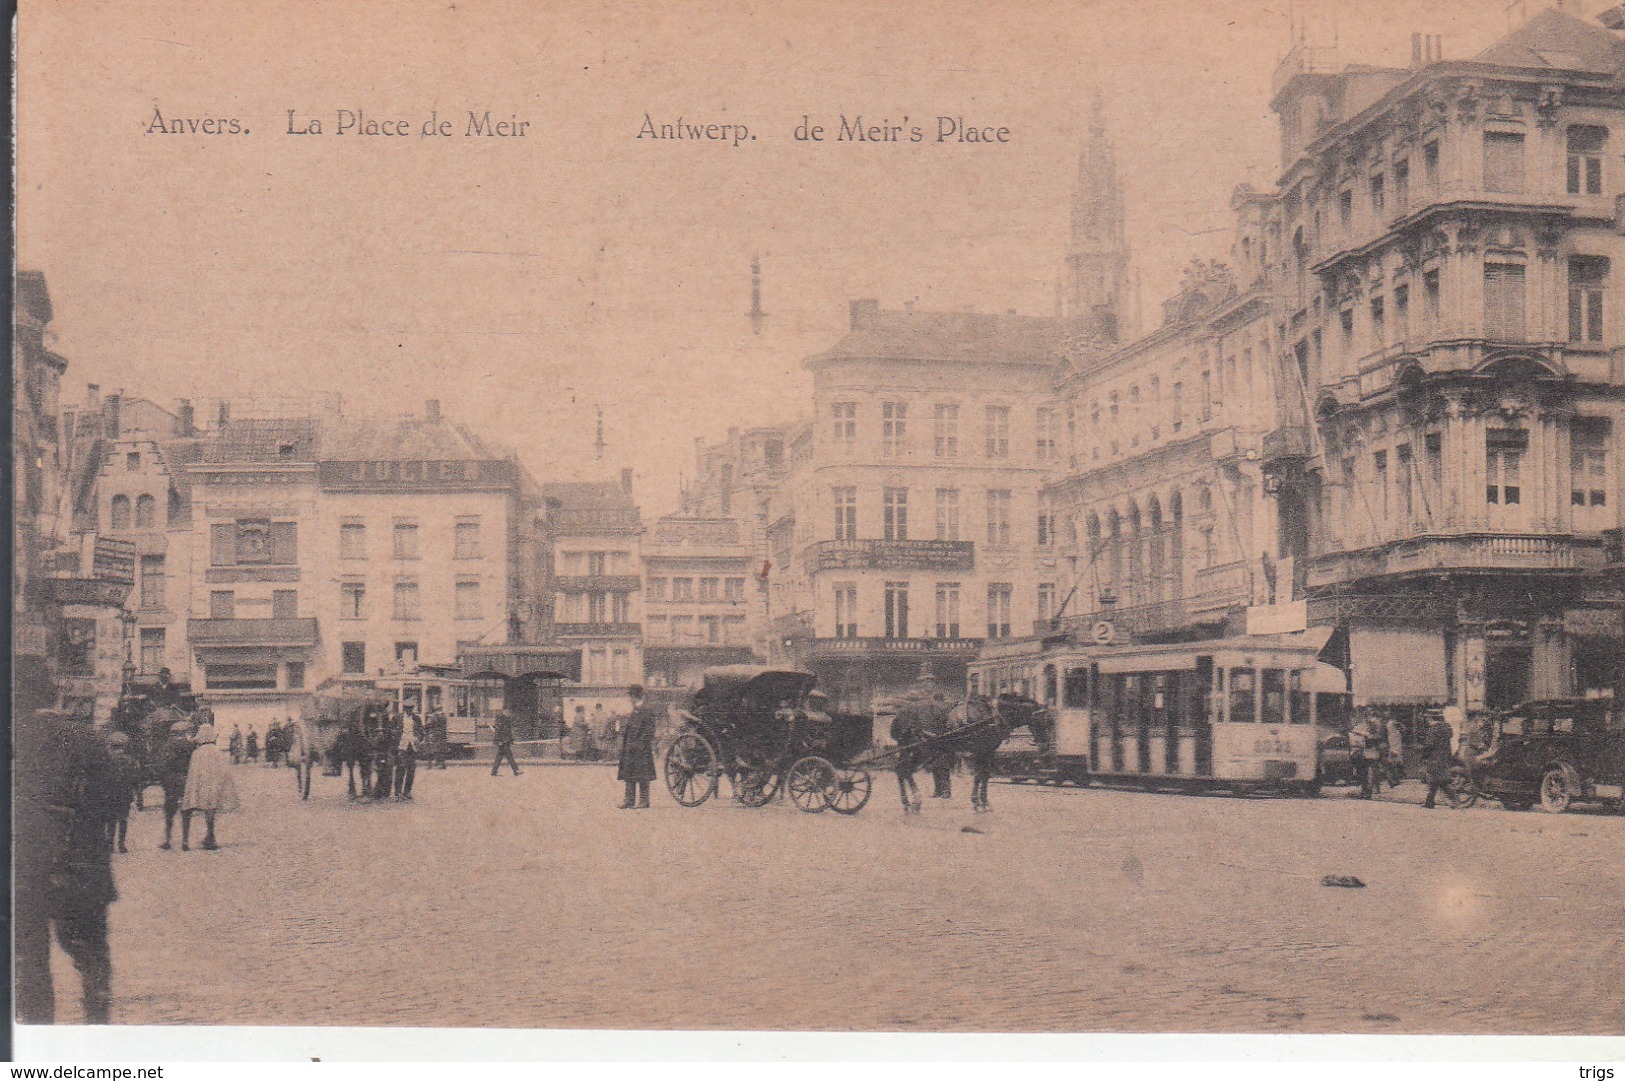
column 223, row 545
column 1503, row 161
column 1504, row 302
column 284, row 542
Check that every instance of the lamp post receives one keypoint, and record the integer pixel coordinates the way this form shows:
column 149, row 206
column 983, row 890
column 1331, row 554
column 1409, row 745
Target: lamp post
column 127, row 624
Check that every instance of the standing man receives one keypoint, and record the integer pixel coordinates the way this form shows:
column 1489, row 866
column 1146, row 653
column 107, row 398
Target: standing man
column 637, row 767
column 64, row 873
column 383, row 747
column 165, row 695
column 1439, row 759
column 502, row 736
column 1366, row 753
column 437, row 734
column 123, row 777
column 406, row 753
column 236, row 745
column 176, row 763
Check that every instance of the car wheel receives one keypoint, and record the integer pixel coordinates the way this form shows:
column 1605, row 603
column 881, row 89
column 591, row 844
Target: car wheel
column 1556, row 793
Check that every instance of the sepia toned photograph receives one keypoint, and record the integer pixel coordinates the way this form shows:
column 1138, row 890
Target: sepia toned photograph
column 908, row 518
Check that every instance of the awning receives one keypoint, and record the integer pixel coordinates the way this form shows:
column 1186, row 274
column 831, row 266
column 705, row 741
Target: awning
column 1394, row 666
column 1325, row 678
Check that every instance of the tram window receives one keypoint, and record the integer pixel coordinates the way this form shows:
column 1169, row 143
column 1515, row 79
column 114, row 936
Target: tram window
column 434, row 699
column 975, row 683
column 460, row 698
column 412, row 695
column 1159, row 692
column 1300, row 698
column 1243, row 695
column 1050, row 688
column 1076, row 688
column 1274, row 696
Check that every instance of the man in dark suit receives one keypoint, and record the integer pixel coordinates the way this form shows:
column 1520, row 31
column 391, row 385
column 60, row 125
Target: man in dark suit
column 502, row 736
column 637, row 766
column 64, row 873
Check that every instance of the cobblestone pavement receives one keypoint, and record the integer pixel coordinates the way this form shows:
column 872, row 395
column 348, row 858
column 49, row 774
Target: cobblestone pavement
column 532, row 902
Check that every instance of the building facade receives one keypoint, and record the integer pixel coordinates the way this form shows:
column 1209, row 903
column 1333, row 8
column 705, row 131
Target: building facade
column 1455, row 225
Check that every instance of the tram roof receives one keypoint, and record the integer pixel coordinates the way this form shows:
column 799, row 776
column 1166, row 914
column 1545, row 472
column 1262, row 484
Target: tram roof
column 1302, row 648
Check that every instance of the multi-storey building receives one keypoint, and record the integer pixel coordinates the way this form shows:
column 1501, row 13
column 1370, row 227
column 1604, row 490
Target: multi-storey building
column 909, row 526
column 69, row 584
column 1450, row 231
column 1162, row 523
column 701, row 598
column 595, row 532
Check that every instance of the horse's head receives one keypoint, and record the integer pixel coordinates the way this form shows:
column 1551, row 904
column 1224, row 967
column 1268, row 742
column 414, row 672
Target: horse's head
column 1020, row 711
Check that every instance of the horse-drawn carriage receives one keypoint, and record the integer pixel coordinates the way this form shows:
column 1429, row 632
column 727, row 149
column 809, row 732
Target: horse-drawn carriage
column 766, row 730
column 335, row 720
column 146, row 713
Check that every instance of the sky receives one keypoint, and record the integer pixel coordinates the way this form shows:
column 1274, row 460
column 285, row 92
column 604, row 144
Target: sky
column 527, row 281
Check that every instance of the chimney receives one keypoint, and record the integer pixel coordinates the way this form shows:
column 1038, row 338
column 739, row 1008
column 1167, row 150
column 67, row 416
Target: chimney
column 186, row 421
column 110, row 415
column 431, row 409
column 93, row 395
column 1416, row 50
column 864, row 313
column 225, row 412
column 626, row 481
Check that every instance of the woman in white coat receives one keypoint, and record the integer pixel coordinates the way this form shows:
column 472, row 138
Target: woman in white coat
column 209, row 788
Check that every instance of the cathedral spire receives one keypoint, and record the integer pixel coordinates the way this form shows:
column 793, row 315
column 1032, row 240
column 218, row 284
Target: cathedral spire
column 1097, row 258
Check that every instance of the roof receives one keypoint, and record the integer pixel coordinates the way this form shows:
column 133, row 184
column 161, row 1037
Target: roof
column 263, row 440
column 587, row 495
column 403, row 439
column 950, row 337
column 1558, row 41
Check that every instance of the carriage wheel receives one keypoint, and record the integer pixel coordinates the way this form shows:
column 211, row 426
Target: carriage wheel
column 757, row 787
column 810, row 782
column 851, row 791
column 691, row 769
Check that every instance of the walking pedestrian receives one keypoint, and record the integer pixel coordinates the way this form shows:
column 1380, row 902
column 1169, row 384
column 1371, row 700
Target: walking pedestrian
column 637, row 767
column 253, row 744
column 1396, row 751
column 1440, row 737
column 236, row 745
column 406, row 754
column 123, row 778
column 1366, row 752
column 502, row 736
column 64, row 874
column 581, row 743
column 175, row 764
column 209, row 788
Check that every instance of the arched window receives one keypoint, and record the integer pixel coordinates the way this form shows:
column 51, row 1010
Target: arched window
column 146, row 511
column 120, row 512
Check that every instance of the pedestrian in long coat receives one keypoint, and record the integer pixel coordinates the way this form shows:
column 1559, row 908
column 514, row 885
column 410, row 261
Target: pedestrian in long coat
column 502, row 736
column 637, row 767
column 209, row 788
column 1439, row 759
column 253, row 744
column 64, row 877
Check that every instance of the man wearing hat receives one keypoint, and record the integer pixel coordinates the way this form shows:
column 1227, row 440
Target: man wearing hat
column 637, row 766
column 502, row 736
column 63, row 873
column 122, row 781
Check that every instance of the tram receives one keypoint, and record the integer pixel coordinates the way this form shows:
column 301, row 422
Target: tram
column 1235, row 713
column 469, row 705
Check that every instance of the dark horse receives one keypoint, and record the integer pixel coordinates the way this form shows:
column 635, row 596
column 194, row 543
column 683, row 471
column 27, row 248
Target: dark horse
column 976, row 728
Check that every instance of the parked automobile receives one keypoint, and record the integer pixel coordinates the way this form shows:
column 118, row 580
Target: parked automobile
column 1555, row 752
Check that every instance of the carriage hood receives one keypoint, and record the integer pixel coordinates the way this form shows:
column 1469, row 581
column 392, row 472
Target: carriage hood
column 764, row 686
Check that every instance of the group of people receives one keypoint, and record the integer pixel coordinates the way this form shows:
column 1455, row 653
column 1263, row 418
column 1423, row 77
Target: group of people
column 280, row 740
column 383, row 745
column 589, row 738
column 1377, row 751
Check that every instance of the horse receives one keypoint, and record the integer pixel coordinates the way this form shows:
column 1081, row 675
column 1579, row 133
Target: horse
column 976, row 728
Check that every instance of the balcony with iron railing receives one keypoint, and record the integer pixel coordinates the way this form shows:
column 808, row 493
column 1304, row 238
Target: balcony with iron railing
column 597, row 583
column 1463, row 552
column 598, row 630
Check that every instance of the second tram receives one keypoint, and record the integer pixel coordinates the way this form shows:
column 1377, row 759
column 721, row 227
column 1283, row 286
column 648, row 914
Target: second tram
column 1239, row 713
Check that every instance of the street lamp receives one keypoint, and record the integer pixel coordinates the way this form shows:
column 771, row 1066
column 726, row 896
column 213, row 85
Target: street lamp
column 127, row 624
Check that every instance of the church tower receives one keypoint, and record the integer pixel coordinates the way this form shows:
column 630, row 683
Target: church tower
column 1097, row 258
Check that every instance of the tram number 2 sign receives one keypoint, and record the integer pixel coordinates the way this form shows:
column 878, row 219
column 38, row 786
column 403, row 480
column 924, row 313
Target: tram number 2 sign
column 1103, row 633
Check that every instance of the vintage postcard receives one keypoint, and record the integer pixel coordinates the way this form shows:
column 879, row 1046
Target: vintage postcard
column 911, row 517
